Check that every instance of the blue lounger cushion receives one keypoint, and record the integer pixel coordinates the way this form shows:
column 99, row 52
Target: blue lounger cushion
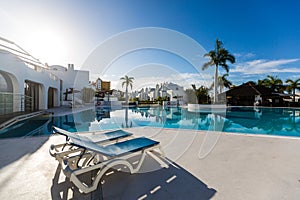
column 117, row 149
column 101, row 137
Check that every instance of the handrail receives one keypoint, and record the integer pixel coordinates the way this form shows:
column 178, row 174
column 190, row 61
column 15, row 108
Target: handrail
column 16, row 94
column 20, row 118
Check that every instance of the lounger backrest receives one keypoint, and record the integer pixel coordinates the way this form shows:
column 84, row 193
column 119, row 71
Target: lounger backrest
column 65, row 133
column 112, row 135
column 117, row 149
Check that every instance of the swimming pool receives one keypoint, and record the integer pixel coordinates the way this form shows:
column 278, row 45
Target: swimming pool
column 270, row 121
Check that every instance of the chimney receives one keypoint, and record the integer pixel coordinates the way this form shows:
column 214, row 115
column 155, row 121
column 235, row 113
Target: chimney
column 70, row 66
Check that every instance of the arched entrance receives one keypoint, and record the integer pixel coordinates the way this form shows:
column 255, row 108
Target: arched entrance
column 6, row 97
column 9, row 100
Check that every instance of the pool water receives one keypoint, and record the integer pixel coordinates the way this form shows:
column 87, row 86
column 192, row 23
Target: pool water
column 270, row 121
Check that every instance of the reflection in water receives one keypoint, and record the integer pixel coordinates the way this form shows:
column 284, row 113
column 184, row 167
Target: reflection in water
column 126, row 120
column 31, row 127
column 274, row 121
column 70, row 123
column 102, row 113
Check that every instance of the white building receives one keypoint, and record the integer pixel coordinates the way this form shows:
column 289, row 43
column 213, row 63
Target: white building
column 175, row 92
column 170, row 90
column 26, row 84
column 144, row 94
column 70, row 77
column 98, row 85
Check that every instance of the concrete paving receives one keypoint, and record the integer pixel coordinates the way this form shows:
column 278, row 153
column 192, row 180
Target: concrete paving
column 201, row 165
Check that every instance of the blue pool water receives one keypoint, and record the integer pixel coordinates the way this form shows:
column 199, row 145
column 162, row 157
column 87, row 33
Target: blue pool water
column 270, row 121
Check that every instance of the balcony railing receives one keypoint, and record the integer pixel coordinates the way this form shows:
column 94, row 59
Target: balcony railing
column 14, row 102
column 24, row 56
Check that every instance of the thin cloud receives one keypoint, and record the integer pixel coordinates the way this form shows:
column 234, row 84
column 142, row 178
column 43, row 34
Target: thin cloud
column 266, row 66
column 244, row 55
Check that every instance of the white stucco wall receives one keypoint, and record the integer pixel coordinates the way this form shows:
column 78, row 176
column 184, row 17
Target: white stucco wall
column 17, row 70
column 71, row 78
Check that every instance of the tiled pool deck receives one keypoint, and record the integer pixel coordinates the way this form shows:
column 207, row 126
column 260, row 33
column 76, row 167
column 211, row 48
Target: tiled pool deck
column 203, row 166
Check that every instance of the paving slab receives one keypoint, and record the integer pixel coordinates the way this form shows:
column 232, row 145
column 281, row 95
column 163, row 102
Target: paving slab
column 201, row 165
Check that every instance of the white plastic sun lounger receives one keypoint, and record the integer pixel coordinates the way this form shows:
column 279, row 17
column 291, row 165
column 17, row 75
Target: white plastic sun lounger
column 61, row 150
column 101, row 158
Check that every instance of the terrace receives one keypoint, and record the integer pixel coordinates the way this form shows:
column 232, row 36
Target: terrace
column 202, row 165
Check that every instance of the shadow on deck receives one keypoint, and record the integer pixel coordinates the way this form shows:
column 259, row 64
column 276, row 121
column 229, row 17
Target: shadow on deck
column 173, row 182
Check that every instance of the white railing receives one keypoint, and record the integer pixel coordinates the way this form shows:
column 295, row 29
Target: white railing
column 24, row 56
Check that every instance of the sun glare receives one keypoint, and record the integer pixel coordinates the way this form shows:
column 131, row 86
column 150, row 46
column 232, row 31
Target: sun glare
column 47, row 45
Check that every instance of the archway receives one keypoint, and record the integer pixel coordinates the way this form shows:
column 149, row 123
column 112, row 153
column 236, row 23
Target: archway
column 9, row 100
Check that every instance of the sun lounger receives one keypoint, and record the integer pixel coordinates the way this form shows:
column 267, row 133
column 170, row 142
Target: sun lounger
column 98, row 158
column 61, row 150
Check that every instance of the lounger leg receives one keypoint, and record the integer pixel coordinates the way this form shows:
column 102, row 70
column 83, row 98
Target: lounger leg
column 106, row 166
column 135, row 170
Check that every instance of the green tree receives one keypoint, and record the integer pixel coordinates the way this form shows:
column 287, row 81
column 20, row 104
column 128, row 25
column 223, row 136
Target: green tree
column 272, row 82
column 218, row 57
column 292, row 86
column 201, row 94
column 127, row 81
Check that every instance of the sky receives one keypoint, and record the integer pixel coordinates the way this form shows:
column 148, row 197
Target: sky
column 158, row 40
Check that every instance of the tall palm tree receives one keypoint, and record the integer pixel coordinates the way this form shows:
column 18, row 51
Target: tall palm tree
column 274, row 83
column 218, row 57
column 127, row 81
column 293, row 85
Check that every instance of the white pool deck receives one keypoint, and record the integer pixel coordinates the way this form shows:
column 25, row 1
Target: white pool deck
column 205, row 165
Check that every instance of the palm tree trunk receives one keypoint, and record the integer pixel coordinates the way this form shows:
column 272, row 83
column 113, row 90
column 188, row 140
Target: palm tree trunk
column 126, row 95
column 294, row 96
column 216, row 85
column 126, row 117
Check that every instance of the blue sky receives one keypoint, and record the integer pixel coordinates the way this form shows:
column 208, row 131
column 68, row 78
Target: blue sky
column 263, row 35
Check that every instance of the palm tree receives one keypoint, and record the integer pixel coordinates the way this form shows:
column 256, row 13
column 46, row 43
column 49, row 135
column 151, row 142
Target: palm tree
column 272, row 82
column 222, row 82
column 127, row 81
column 218, row 57
column 293, row 85
column 260, row 82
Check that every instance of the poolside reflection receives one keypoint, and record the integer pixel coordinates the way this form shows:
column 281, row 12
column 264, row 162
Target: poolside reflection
column 275, row 121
